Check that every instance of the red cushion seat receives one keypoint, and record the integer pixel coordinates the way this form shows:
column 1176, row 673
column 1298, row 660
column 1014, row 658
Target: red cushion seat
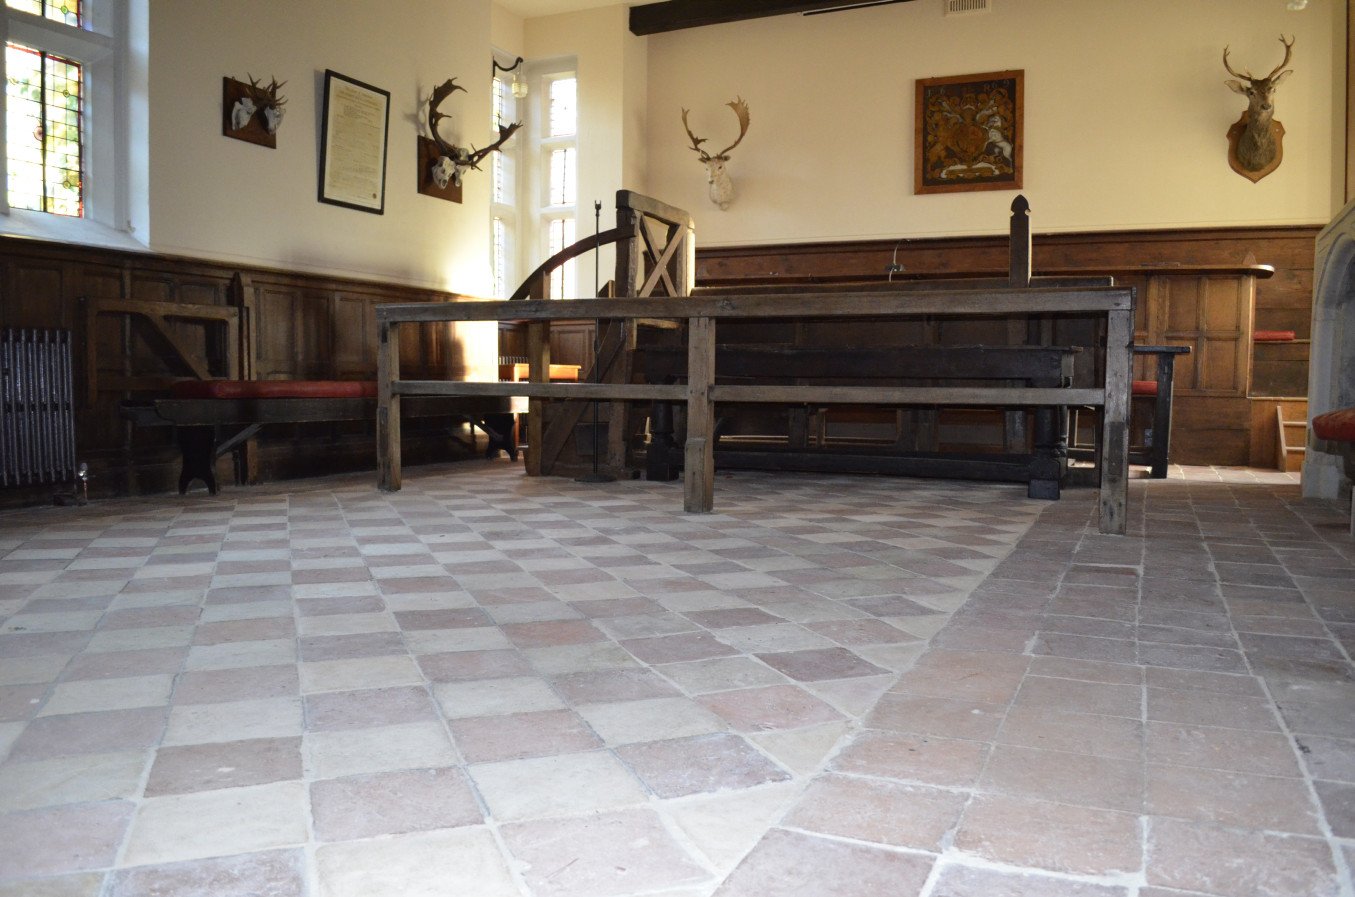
column 1273, row 336
column 274, row 389
column 1338, row 426
column 1143, row 388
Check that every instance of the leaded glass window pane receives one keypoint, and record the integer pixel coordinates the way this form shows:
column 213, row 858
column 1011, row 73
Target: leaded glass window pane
column 500, row 236
column 561, row 232
column 43, row 131
column 563, row 112
column 66, row 12
column 562, row 176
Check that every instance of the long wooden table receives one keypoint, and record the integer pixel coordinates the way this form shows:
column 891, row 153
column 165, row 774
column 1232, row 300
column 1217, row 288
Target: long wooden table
column 700, row 392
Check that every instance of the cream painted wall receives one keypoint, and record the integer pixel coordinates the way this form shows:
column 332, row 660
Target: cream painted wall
column 1126, row 116
column 611, row 67
column 219, row 198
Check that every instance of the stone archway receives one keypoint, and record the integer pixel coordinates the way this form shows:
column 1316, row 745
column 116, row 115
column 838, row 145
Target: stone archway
column 1331, row 369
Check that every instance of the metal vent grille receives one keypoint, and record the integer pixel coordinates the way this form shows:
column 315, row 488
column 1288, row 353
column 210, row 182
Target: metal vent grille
column 966, row 7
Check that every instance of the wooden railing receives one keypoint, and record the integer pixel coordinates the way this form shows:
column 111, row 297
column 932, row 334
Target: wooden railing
column 700, row 392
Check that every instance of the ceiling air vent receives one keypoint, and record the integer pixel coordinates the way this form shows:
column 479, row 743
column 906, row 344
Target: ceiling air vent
column 966, row 7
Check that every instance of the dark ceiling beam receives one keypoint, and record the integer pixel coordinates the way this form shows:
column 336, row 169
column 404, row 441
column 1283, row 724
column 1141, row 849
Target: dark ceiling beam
column 673, row 15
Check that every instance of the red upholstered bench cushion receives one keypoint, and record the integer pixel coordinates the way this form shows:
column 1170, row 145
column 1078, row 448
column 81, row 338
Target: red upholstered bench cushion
column 1338, row 425
column 274, row 389
column 1143, row 388
column 1273, row 336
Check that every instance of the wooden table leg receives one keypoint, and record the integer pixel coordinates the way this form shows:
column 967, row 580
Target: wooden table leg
column 387, row 407
column 699, row 452
column 1115, row 423
column 538, row 357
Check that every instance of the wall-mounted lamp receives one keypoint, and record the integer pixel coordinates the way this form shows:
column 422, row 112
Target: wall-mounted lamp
column 519, row 86
column 1296, row 5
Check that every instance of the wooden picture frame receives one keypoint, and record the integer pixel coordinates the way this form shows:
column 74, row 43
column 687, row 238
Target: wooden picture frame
column 354, row 126
column 969, row 132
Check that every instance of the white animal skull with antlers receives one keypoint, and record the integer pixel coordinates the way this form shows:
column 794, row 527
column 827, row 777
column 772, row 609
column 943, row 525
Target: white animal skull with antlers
column 454, row 160
column 721, row 187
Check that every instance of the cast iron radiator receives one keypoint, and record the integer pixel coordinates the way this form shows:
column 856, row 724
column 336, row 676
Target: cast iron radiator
column 37, row 412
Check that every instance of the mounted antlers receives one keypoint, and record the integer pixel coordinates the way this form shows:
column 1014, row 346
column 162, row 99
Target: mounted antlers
column 721, row 187
column 268, row 101
column 454, row 160
column 1255, row 140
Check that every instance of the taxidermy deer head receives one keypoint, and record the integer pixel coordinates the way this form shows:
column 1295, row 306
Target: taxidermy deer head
column 1254, row 141
column 453, row 160
column 721, row 187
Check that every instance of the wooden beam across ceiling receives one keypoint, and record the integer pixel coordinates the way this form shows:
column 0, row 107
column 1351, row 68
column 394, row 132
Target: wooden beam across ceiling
column 673, row 15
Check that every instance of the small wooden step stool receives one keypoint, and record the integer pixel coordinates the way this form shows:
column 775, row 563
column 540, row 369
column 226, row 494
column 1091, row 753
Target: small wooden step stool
column 1291, row 439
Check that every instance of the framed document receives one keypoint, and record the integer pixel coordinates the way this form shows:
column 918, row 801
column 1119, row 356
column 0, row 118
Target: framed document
column 353, row 144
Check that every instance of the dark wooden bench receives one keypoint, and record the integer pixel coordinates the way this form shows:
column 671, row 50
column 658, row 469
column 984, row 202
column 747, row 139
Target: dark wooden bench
column 213, row 417
column 791, row 449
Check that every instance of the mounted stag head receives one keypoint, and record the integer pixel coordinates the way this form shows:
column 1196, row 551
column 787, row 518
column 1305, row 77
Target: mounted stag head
column 721, row 187
column 453, row 160
column 1255, row 146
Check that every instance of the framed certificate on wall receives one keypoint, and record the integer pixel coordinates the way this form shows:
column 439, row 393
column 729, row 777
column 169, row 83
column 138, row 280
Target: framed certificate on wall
column 353, row 135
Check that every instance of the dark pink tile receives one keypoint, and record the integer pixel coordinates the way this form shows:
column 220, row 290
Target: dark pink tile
column 683, row 766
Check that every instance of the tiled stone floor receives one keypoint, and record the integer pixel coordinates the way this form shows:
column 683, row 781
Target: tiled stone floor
column 488, row 685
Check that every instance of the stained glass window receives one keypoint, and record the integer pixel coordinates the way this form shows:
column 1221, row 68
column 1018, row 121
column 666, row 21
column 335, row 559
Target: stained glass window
column 67, row 12
column 43, row 136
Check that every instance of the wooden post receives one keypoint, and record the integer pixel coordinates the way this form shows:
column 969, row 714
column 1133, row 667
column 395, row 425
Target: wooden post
column 387, row 407
column 1162, row 414
column 698, row 477
column 538, row 357
column 1115, row 427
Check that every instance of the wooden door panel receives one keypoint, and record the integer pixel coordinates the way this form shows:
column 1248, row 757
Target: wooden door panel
column 1223, row 308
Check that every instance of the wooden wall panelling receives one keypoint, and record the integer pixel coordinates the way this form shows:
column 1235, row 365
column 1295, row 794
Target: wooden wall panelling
column 1214, row 319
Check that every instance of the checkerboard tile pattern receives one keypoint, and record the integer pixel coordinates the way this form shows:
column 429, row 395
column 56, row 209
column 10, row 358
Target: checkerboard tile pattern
column 496, row 685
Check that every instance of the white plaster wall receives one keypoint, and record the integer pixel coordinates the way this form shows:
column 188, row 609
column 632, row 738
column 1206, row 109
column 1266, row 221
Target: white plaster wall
column 1126, row 116
column 216, row 197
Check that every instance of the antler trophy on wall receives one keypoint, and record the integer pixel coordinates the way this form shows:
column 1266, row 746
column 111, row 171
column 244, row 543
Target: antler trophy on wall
column 441, row 162
column 1255, row 141
column 721, row 187
column 253, row 111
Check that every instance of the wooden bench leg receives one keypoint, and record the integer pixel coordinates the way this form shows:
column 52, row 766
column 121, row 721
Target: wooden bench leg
column 197, row 447
column 1162, row 417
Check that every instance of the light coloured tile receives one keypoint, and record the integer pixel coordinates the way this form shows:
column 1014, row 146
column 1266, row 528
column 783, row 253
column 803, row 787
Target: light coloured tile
column 217, row 823
column 71, row 780
column 108, row 694
column 563, row 785
column 488, row 697
column 656, row 719
column 359, row 672
column 346, row 624
column 428, row 864
column 353, row 751
column 234, row 721
column 725, row 827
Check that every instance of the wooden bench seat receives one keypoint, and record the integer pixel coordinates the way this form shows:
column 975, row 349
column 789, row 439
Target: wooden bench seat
column 788, row 447
column 1338, row 426
column 200, row 410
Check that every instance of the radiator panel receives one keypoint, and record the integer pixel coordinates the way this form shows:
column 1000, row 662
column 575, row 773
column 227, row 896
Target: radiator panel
column 37, row 411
